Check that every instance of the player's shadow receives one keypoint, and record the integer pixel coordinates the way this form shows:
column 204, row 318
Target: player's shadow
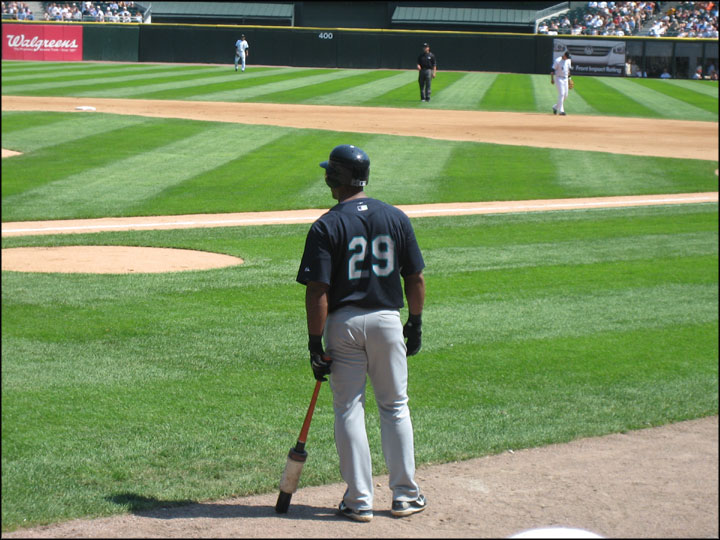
column 184, row 509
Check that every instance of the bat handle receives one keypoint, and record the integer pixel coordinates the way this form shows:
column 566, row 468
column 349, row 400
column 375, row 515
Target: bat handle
column 308, row 416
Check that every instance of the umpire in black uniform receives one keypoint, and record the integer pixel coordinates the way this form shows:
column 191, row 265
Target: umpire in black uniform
column 427, row 67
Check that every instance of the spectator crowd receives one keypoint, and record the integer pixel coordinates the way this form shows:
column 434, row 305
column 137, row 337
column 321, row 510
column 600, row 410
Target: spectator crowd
column 17, row 10
column 93, row 11
column 690, row 19
column 112, row 11
column 602, row 19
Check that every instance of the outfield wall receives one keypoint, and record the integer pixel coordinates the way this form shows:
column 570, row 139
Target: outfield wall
column 340, row 47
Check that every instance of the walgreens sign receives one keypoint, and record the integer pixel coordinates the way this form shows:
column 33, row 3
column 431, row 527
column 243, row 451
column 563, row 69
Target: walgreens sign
column 41, row 42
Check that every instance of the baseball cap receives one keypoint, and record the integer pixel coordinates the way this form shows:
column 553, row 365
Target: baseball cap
column 426, row 44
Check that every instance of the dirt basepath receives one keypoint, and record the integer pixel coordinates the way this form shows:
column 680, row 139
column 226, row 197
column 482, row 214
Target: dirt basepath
column 635, row 136
column 235, row 219
column 653, row 483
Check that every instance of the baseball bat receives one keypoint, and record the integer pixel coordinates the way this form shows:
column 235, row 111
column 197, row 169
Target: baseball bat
column 296, row 460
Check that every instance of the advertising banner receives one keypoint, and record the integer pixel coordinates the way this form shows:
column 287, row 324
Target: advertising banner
column 42, row 42
column 592, row 56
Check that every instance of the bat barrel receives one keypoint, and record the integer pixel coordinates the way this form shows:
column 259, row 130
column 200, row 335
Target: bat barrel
column 295, row 461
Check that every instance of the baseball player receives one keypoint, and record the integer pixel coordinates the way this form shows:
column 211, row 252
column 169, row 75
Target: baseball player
column 560, row 77
column 427, row 70
column 355, row 257
column 241, row 52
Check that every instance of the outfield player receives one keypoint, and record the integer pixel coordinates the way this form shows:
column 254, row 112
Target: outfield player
column 560, row 76
column 358, row 258
column 241, row 52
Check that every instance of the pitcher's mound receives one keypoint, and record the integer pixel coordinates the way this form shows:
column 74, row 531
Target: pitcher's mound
column 111, row 259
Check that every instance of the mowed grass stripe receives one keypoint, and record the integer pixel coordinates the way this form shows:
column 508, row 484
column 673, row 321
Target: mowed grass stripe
column 9, row 66
column 32, row 132
column 574, row 252
column 546, row 97
column 355, row 91
column 282, row 84
column 562, row 226
column 583, row 174
column 18, row 121
column 112, row 189
column 438, row 87
column 243, row 183
column 608, row 101
column 459, row 171
column 406, row 95
column 180, row 87
column 562, row 316
column 31, row 171
column 689, row 100
column 402, row 171
column 119, row 80
column 707, row 88
column 84, row 71
column 510, row 92
column 465, row 92
column 298, row 94
column 663, row 104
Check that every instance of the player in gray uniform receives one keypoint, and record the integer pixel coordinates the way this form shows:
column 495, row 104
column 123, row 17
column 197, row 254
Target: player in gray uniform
column 355, row 257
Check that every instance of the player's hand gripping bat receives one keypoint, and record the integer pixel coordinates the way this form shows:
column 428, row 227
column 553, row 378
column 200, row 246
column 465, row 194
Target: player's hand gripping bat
column 296, row 460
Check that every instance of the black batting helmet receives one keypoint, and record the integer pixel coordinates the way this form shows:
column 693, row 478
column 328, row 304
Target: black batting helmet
column 347, row 165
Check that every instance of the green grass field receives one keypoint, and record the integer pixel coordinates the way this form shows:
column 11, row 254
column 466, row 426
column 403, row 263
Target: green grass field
column 651, row 98
column 123, row 392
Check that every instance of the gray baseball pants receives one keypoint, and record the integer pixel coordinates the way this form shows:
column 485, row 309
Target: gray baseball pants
column 363, row 343
column 425, row 82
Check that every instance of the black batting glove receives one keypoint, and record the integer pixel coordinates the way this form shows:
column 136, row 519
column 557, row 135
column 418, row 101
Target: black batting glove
column 319, row 362
column 413, row 332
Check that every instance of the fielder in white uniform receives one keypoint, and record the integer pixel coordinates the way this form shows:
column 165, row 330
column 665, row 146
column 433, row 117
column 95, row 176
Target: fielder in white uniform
column 559, row 76
column 241, row 51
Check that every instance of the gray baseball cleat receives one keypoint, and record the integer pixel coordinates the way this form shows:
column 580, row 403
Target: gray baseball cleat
column 406, row 508
column 357, row 515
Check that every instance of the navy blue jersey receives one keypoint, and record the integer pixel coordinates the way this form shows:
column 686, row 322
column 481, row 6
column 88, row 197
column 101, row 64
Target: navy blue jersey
column 361, row 248
column 427, row 60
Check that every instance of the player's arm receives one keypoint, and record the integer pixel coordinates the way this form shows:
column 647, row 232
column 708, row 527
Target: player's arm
column 415, row 293
column 316, row 307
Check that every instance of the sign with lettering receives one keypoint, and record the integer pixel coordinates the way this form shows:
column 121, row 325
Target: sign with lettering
column 42, row 42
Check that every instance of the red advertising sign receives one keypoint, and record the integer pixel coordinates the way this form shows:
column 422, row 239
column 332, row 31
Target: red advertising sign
column 42, row 42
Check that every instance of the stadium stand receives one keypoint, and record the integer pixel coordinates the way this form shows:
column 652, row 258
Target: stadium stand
column 241, row 13
column 645, row 18
column 88, row 11
column 686, row 19
column 21, row 11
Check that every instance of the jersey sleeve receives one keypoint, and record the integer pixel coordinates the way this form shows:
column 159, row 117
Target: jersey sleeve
column 316, row 262
column 411, row 259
